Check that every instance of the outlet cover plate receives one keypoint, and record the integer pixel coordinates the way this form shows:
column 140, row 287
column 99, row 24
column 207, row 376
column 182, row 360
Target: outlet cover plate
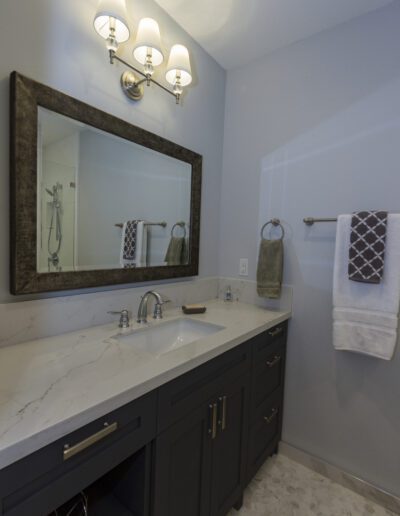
column 243, row 267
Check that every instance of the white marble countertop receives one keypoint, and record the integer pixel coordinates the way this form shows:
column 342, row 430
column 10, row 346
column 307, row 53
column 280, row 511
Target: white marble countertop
column 53, row 386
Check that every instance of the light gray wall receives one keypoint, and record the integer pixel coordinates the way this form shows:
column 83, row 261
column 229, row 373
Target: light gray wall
column 314, row 130
column 53, row 41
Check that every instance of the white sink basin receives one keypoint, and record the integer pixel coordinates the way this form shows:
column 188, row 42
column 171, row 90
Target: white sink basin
column 168, row 336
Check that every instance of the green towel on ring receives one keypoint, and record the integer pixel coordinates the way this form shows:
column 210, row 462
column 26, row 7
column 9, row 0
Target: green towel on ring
column 177, row 253
column 270, row 269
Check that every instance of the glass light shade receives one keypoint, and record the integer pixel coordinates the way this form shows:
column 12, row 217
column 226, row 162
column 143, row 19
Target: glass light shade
column 179, row 64
column 112, row 14
column 148, row 40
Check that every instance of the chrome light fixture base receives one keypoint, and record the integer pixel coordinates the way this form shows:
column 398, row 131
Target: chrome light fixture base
column 132, row 86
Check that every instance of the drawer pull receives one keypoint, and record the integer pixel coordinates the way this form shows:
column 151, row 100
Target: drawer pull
column 214, row 420
column 276, row 331
column 274, row 361
column 269, row 419
column 222, row 419
column 70, row 451
column 213, row 417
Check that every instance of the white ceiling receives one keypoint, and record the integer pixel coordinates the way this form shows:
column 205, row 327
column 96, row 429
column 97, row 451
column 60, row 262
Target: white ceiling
column 236, row 32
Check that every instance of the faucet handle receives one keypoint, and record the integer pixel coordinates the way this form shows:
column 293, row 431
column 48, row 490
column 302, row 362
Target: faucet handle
column 165, row 300
column 158, row 308
column 124, row 317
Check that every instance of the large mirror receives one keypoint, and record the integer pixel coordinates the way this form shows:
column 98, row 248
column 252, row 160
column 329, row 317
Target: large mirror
column 105, row 202
column 95, row 200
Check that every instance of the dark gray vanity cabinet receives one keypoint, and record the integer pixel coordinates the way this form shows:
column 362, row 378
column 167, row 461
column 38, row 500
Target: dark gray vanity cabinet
column 199, row 467
column 109, row 458
column 183, row 467
column 188, row 448
column 200, row 457
column 217, row 426
column 267, row 380
column 229, row 448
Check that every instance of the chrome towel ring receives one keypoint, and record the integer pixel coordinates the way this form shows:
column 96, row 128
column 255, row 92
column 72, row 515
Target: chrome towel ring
column 276, row 223
column 180, row 224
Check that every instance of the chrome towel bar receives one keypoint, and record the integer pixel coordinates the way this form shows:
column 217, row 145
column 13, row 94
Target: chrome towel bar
column 311, row 220
column 276, row 223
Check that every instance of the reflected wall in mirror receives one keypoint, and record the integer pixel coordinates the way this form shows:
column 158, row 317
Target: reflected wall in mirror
column 105, row 202
column 95, row 200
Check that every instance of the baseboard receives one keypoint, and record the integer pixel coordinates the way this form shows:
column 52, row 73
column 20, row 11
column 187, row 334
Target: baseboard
column 369, row 491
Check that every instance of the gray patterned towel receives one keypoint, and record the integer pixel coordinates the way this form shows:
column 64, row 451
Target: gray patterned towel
column 367, row 246
column 129, row 240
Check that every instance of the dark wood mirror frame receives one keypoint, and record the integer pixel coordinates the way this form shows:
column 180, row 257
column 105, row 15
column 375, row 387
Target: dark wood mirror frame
column 26, row 96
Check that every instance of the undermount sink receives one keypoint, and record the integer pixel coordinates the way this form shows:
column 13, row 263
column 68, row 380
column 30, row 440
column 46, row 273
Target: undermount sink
column 168, row 336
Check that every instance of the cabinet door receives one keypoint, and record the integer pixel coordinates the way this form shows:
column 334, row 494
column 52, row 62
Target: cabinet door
column 229, row 447
column 183, row 466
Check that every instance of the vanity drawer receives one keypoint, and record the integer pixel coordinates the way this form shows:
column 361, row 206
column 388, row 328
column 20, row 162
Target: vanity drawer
column 268, row 374
column 265, row 340
column 264, row 433
column 182, row 395
column 55, row 473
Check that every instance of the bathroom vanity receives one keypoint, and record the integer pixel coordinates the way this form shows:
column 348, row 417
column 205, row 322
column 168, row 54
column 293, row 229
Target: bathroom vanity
column 181, row 435
column 171, row 418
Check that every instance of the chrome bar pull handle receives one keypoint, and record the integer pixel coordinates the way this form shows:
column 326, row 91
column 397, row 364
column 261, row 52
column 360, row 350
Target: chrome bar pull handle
column 71, row 451
column 274, row 361
column 271, row 417
column 276, row 331
column 214, row 418
column 222, row 418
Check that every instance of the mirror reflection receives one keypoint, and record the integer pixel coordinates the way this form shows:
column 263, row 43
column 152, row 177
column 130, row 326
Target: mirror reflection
column 105, row 202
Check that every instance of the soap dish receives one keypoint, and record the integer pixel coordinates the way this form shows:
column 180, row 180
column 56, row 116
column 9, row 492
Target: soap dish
column 193, row 309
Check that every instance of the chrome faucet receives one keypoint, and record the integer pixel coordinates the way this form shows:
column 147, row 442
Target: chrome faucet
column 124, row 318
column 142, row 312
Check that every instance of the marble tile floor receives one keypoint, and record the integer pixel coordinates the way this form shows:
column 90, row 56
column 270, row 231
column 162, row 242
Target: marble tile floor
column 283, row 487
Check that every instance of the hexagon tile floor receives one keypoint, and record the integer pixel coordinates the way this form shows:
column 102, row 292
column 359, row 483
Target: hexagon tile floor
column 283, row 487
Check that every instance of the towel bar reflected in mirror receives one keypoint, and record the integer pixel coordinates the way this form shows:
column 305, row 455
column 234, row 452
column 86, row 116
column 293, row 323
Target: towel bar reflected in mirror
column 180, row 224
column 163, row 224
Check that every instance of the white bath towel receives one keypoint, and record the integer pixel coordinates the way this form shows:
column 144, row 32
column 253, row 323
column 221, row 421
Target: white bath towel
column 365, row 316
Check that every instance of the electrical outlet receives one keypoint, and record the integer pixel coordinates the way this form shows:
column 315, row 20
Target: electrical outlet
column 243, row 267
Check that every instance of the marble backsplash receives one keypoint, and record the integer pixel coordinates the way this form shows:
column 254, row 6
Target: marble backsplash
column 30, row 320
column 246, row 292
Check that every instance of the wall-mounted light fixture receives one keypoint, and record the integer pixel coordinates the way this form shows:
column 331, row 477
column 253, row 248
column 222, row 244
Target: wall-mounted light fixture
column 110, row 22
